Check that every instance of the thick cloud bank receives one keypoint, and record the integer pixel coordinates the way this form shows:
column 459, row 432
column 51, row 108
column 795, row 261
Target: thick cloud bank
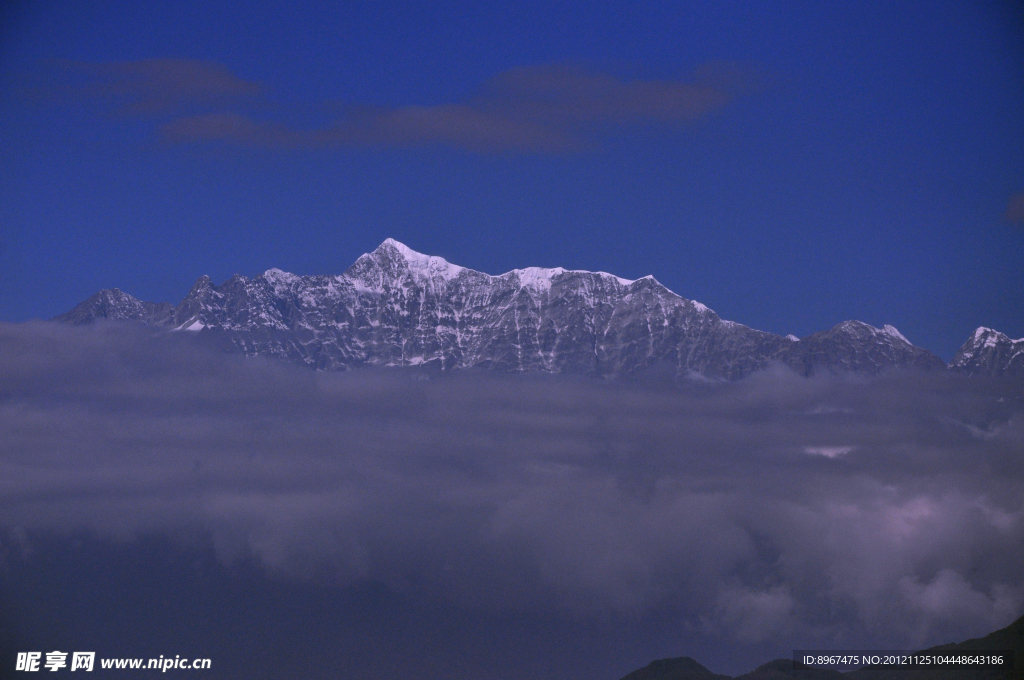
column 781, row 509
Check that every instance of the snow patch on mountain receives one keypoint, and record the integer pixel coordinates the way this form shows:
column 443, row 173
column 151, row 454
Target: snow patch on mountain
column 537, row 278
column 892, row 332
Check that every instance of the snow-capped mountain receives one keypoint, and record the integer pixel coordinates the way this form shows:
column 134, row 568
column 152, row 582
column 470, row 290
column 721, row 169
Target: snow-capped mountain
column 990, row 352
column 397, row 307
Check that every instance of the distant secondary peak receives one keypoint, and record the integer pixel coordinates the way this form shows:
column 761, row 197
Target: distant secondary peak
column 276, row 275
column 992, row 337
column 279, row 279
column 202, row 283
column 859, row 327
column 983, row 331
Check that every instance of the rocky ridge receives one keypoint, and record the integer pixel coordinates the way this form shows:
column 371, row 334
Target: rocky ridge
column 397, row 307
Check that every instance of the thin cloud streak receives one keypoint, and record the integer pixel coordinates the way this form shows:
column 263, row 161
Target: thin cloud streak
column 1015, row 209
column 148, row 87
column 573, row 94
column 553, row 108
column 455, row 125
column 534, row 109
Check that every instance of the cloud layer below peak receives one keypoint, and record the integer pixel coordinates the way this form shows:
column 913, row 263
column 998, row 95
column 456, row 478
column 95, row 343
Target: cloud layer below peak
column 566, row 497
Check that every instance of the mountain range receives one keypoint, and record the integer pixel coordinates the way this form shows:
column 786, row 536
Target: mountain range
column 398, row 307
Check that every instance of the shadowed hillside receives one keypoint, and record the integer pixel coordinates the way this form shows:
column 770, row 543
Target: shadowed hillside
column 1009, row 638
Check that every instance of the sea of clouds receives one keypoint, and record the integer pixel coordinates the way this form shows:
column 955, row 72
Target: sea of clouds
column 776, row 509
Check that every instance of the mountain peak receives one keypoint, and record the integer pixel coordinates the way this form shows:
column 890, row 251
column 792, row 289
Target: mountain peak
column 279, row 279
column 854, row 326
column 113, row 303
column 991, row 335
column 390, row 245
column 419, row 264
column 400, row 247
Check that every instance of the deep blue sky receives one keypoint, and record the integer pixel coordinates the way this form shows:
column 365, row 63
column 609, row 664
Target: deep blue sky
column 789, row 167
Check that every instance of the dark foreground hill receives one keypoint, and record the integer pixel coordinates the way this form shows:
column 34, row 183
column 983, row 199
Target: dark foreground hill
column 1009, row 638
column 681, row 668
